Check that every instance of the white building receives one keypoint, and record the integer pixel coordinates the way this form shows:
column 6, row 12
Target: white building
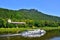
column 9, row 21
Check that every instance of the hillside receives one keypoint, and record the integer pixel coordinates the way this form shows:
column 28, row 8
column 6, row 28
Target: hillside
column 31, row 14
column 27, row 15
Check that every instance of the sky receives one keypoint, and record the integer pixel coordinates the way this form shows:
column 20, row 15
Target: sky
column 50, row 7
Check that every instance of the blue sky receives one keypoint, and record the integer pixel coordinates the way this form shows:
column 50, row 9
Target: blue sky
column 51, row 7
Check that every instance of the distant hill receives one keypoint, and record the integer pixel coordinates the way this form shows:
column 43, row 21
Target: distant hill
column 31, row 14
column 26, row 14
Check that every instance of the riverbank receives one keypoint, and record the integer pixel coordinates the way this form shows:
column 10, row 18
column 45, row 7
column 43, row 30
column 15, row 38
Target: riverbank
column 16, row 30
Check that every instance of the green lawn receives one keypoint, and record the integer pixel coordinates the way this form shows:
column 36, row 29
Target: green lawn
column 50, row 28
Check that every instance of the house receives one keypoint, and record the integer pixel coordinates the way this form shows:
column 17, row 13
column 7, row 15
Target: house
column 9, row 21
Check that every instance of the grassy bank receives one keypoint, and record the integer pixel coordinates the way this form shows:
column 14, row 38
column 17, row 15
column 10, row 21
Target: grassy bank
column 11, row 30
column 50, row 28
column 15, row 30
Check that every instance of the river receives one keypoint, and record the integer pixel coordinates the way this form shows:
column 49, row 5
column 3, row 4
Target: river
column 50, row 35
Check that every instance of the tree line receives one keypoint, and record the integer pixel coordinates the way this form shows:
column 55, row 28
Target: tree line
column 29, row 23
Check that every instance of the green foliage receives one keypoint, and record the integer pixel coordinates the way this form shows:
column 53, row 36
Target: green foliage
column 32, row 18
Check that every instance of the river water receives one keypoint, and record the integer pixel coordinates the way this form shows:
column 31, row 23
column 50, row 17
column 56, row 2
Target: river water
column 50, row 35
column 55, row 38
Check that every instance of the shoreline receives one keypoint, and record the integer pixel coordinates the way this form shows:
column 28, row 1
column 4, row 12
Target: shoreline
column 17, row 30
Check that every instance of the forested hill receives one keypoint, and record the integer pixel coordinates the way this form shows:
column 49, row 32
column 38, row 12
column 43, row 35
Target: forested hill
column 26, row 14
column 31, row 14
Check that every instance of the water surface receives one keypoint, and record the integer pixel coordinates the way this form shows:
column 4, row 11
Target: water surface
column 50, row 35
column 55, row 38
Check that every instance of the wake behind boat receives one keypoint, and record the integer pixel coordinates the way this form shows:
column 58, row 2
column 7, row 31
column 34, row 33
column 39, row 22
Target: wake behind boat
column 28, row 33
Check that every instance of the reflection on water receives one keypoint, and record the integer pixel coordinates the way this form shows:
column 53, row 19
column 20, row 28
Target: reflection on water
column 47, row 36
column 56, row 38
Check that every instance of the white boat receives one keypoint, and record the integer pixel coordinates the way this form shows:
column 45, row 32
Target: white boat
column 33, row 33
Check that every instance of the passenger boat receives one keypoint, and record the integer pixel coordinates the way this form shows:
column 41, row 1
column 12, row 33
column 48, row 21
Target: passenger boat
column 33, row 33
